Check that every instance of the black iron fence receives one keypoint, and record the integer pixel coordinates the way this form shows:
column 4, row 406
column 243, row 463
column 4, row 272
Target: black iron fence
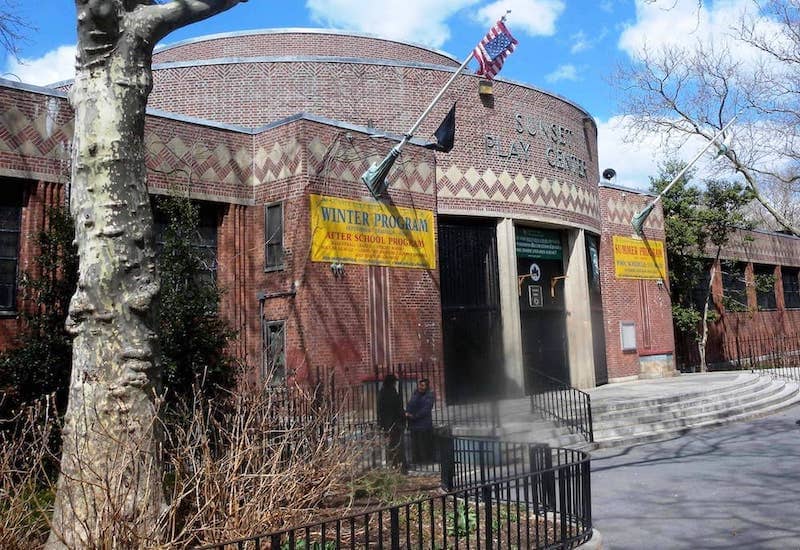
column 543, row 501
column 775, row 355
column 562, row 403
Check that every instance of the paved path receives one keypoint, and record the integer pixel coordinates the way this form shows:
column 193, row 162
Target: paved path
column 733, row 487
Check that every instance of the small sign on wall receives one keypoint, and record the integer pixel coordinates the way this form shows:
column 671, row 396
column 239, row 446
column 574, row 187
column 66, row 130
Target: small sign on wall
column 535, row 296
column 627, row 335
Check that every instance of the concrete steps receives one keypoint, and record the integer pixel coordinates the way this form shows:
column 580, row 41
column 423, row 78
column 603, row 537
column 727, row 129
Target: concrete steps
column 650, row 419
column 643, row 411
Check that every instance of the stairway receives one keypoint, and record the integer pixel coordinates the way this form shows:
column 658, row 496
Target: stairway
column 648, row 410
column 722, row 400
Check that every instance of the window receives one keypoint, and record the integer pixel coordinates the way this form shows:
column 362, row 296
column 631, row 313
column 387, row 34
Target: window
column 10, row 216
column 273, row 236
column 274, row 368
column 204, row 241
column 791, row 287
column 701, row 290
column 764, row 279
column 734, row 287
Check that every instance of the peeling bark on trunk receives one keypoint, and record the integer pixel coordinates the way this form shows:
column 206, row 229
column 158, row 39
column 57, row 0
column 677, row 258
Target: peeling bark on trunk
column 109, row 492
column 110, row 471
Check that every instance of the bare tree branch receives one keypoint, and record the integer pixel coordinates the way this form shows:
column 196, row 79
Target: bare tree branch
column 692, row 90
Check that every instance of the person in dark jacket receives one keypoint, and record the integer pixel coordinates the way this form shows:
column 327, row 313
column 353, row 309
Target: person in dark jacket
column 419, row 413
column 391, row 419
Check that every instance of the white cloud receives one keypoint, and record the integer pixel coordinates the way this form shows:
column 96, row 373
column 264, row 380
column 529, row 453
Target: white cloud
column 636, row 159
column 633, row 162
column 564, row 72
column 533, row 17
column 425, row 21
column 421, row 21
column 661, row 23
column 579, row 42
column 53, row 66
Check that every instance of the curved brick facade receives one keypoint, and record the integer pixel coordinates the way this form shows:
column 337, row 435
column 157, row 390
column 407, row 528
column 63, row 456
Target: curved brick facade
column 526, row 154
column 245, row 126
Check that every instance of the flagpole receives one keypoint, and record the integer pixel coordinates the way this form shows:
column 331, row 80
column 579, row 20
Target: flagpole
column 375, row 177
column 637, row 221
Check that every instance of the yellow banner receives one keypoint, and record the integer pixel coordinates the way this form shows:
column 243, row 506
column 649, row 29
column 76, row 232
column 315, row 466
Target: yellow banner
column 370, row 233
column 638, row 259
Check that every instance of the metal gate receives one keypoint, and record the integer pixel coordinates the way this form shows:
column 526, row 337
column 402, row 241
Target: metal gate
column 471, row 322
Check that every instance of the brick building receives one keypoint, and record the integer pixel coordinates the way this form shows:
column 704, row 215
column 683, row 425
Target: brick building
column 502, row 260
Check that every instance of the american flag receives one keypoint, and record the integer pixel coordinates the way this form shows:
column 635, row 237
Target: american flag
column 492, row 51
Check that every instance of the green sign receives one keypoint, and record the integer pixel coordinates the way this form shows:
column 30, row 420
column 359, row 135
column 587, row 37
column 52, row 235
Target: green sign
column 538, row 244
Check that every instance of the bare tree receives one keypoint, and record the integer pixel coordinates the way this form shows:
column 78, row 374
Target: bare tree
column 12, row 26
column 690, row 91
column 109, row 490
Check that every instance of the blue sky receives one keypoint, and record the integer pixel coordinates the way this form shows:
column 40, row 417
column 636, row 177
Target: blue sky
column 569, row 47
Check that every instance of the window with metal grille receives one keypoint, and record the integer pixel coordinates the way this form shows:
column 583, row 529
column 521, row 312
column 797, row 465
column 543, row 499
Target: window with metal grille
column 734, row 286
column 791, row 287
column 204, row 240
column 273, row 236
column 701, row 291
column 273, row 340
column 10, row 219
column 764, row 279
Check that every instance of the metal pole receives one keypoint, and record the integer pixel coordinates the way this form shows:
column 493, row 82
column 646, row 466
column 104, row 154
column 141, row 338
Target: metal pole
column 408, row 135
column 375, row 176
column 638, row 220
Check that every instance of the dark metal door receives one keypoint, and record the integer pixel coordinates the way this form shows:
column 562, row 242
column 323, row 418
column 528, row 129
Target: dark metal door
column 596, row 306
column 542, row 315
column 471, row 322
column 543, row 320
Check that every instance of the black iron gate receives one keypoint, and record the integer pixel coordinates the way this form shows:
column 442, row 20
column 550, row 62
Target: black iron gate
column 471, row 322
column 542, row 311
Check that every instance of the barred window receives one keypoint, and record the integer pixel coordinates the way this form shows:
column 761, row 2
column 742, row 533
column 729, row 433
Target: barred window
column 203, row 242
column 701, row 291
column 791, row 287
column 734, row 286
column 273, row 342
column 273, row 236
column 764, row 279
column 10, row 220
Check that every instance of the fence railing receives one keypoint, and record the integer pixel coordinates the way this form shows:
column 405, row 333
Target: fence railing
column 777, row 356
column 524, row 507
column 561, row 402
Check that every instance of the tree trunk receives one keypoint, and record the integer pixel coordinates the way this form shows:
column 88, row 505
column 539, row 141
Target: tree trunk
column 109, row 491
column 701, row 345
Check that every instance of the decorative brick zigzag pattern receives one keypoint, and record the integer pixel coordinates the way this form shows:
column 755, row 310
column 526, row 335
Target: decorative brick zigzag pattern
column 206, row 160
column 620, row 212
column 38, row 137
column 517, row 188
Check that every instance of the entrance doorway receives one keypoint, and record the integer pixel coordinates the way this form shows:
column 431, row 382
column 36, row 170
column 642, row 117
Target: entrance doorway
column 471, row 322
column 596, row 307
column 542, row 313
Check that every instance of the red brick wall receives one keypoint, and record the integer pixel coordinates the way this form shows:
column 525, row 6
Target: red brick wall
column 644, row 302
column 36, row 197
column 753, row 332
column 327, row 316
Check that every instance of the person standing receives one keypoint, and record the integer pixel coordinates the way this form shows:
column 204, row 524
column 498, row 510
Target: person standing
column 391, row 419
column 419, row 413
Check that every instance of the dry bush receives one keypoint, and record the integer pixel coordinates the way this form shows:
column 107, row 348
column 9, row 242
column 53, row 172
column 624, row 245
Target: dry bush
column 255, row 462
column 248, row 463
column 26, row 474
